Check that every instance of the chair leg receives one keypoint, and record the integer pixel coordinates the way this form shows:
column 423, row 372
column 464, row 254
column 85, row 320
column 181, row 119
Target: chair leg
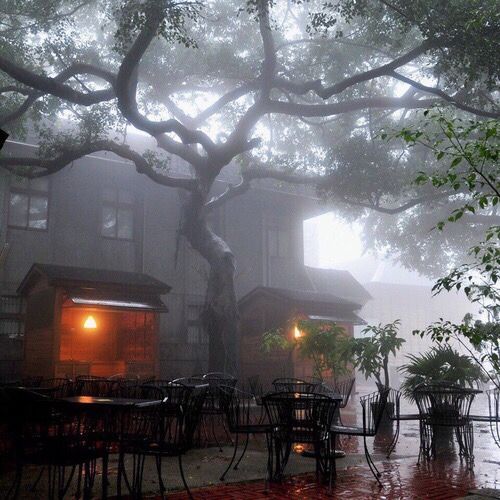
column 232, row 458
column 376, row 473
column 181, row 469
column 37, row 480
column 16, row 484
column 270, row 454
column 243, row 452
column 392, row 445
column 160, row 478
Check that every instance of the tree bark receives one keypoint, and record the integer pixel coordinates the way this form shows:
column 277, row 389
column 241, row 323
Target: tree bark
column 220, row 312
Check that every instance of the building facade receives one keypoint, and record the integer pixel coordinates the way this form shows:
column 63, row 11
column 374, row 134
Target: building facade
column 100, row 213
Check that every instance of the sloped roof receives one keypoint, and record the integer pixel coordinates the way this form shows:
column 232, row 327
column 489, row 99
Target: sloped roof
column 301, row 296
column 337, row 282
column 83, row 276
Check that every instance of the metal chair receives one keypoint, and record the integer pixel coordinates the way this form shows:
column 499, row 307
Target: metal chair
column 50, row 435
column 443, row 405
column 373, row 406
column 244, row 416
column 180, row 417
column 394, row 404
column 291, row 384
column 96, row 386
column 303, row 418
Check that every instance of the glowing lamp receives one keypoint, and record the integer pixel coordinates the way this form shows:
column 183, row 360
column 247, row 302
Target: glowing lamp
column 298, row 448
column 90, row 323
column 297, row 333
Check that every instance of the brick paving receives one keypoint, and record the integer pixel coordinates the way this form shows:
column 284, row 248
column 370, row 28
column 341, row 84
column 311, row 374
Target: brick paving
column 444, row 478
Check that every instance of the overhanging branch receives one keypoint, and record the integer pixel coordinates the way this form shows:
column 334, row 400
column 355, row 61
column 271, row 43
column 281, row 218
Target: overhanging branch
column 43, row 167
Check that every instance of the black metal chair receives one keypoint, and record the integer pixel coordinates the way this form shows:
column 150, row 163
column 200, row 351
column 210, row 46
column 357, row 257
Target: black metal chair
column 494, row 409
column 443, row 405
column 394, row 414
column 179, row 420
column 303, row 418
column 97, row 386
column 292, row 384
column 244, row 417
column 373, row 406
column 56, row 387
column 48, row 434
column 136, row 431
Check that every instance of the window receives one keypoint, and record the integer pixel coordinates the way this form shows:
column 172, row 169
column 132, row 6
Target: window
column 118, row 208
column 11, row 315
column 278, row 242
column 195, row 332
column 29, row 203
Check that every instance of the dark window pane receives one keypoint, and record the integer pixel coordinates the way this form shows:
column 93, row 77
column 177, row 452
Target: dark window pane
column 38, row 212
column 108, row 222
column 18, row 210
column 125, row 224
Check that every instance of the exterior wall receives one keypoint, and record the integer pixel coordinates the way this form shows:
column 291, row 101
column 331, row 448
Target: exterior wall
column 73, row 238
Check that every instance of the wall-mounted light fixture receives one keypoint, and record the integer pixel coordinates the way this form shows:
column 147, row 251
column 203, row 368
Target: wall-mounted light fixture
column 90, row 323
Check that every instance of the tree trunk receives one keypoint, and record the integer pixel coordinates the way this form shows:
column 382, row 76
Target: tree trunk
column 220, row 313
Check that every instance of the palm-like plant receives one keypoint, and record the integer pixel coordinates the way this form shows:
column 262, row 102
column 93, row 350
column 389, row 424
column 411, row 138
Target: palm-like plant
column 439, row 364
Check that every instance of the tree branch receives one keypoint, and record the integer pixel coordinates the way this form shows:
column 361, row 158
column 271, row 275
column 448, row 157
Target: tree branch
column 126, row 87
column 444, row 96
column 294, row 109
column 55, row 87
column 326, row 92
column 43, row 167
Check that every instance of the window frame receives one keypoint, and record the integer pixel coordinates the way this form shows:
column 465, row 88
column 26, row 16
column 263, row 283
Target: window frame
column 118, row 205
column 30, row 193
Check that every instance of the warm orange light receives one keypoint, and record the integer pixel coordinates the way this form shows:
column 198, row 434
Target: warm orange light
column 297, row 333
column 298, row 448
column 90, row 323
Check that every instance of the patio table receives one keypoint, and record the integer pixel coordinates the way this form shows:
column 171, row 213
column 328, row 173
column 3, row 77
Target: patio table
column 299, row 417
column 108, row 410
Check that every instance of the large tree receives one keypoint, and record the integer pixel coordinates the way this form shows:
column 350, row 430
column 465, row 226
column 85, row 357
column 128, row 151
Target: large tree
column 270, row 85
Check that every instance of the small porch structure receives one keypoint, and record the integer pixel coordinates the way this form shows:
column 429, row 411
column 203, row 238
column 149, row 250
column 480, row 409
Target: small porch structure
column 267, row 308
column 82, row 321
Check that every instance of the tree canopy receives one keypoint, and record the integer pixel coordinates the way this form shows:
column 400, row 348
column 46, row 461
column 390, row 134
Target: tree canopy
column 220, row 82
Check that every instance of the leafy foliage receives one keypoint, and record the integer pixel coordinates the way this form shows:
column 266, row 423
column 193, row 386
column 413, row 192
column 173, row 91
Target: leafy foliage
column 471, row 150
column 372, row 353
column 324, row 343
column 439, row 364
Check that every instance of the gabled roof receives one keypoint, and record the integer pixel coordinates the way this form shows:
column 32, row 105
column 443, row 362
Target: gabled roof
column 339, row 283
column 300, row 296
column 90, row 277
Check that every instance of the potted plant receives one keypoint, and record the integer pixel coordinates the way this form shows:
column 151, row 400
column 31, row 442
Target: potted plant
column 439, row 364
column 372, row 353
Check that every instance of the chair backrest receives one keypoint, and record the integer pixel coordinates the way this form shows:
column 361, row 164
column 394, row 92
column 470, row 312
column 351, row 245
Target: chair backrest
column 181, row 416
column 292, row 384
column 190, row 381
column 97, row 386
column 373, row 407
column 443, row 403
column 240, row 407
column 393, row 404
column 302, row 417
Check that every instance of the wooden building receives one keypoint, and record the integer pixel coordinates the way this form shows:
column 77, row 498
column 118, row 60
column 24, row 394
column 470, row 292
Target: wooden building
column 266, row 308
column 82, row 321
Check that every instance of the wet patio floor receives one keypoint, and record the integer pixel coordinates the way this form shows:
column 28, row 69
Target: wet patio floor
column 446, row 477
